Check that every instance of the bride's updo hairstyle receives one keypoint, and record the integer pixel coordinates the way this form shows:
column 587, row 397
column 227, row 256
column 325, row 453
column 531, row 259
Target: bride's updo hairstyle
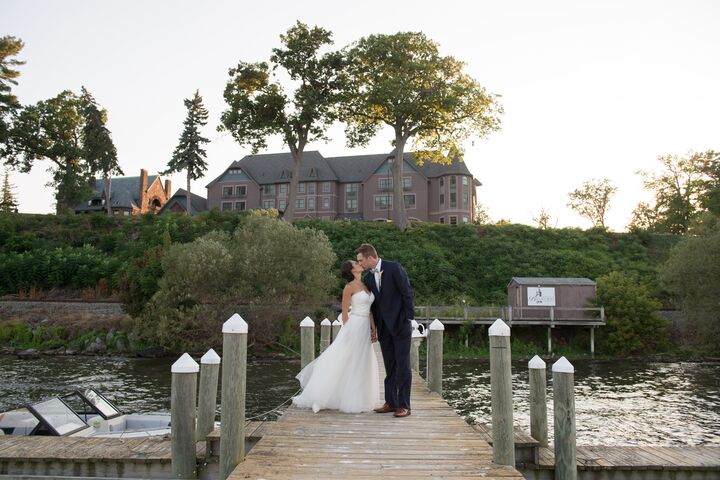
column 346, row 271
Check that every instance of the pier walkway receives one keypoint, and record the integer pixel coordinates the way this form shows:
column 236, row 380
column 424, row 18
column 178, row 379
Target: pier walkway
column 432, row 442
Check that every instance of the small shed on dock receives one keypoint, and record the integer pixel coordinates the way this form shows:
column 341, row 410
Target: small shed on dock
column 531, row 296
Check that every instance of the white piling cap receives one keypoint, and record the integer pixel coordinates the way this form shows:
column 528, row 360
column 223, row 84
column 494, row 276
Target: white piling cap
column 563, row 366
column 325, row 322
column 499, row 329
column 416, row 334
column 235, row 324
column 414, row 324
column 307, row 322
column 336, row 322
column 210, row 358
column 185, row 364
column 537, row 362
column 437, row 325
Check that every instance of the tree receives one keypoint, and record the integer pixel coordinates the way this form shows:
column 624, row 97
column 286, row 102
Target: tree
column 710, row 196
column 402, row 82
column 53, row 130
column 692, row 276
column 592, row 200
column 9, row 47
column 259, row 106
column 8, row 204
column 482, row 215
column 543, row 219
column 98, row 148
column 678, row 190
column 189, row 154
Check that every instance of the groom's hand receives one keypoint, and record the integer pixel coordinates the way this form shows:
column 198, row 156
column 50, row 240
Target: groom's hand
column 373, row 336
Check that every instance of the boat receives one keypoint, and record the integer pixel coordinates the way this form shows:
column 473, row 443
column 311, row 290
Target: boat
column 85, row 413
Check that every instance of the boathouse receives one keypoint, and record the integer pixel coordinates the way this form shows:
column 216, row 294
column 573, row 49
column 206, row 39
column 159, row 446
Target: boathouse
column 549, row 298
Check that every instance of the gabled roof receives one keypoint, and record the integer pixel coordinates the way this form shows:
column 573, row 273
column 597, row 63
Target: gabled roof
column 356, row 168
column 124, row 192
column 552, row 281
column 197, row 203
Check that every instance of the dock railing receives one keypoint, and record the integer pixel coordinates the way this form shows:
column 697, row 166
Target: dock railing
column 486, row 315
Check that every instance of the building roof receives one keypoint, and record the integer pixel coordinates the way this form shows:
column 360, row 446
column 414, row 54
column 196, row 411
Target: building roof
column 124, row 193
column 197, row 203
column 276, row 167
column 551, row 281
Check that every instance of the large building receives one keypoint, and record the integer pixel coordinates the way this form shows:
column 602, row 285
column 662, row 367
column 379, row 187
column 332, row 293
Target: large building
column 128, row 195
column 354, row 187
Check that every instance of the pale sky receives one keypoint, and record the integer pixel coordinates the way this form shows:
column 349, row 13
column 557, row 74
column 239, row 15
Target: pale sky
column 590, row 88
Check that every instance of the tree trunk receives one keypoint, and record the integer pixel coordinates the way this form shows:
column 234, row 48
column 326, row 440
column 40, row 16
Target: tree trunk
column 289, row 214
column 108, row 194
column 187, row 203
column 399, row 212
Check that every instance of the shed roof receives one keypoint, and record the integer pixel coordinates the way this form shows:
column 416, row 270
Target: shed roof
column 552, row 281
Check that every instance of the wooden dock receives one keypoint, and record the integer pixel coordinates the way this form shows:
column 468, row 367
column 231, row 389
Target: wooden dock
column 432, row 442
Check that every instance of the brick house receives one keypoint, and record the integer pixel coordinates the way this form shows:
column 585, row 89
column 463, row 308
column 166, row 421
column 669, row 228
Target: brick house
column 353, row 187
column 128, row 195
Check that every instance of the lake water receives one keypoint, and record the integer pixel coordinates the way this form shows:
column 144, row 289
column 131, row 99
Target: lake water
column 616, row 403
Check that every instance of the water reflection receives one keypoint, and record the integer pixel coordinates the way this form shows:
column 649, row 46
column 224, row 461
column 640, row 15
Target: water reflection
column 616, row 403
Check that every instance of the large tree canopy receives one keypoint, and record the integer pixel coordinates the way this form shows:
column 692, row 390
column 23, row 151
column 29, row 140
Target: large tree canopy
column 592, row 200
column 403, row 82
column 259, row 107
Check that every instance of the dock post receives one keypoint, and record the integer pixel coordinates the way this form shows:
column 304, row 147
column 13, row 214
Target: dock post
column 207, row 396
column 307, row 341
column 182, row 417
column 232, row 415
column 564, row 412
column 592, row 342
column 415, row 347
column 501, row 394
column 435, row 356
column 549, row 340
column 336, row 324
column 538, row 401
column 325, row 333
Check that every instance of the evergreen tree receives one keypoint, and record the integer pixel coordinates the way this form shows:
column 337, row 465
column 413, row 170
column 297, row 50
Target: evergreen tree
column 9, row 47
column 189, row 154
column 98, row 147
column 8, row 204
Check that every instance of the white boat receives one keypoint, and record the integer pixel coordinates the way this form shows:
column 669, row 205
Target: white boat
column 84, row 413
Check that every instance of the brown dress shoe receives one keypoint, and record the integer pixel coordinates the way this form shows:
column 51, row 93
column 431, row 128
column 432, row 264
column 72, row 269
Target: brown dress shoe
column 386, row 408
column 402, row 412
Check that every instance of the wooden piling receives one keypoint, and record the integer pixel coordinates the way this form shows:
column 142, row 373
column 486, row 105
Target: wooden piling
column 564, row 413
column 232, row 416
column 435, row 356
column 307, row 341
column 325, row 328
column 415, row 347
column 501, row 394
column 207, row 396
column 538, row 400
column 182, row 417
column 336, row 324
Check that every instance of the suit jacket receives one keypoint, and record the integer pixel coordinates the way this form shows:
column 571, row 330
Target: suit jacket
column 394, row 306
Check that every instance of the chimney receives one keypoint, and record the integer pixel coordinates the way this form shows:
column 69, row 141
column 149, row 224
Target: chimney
column 168, row 188
column 143, row 190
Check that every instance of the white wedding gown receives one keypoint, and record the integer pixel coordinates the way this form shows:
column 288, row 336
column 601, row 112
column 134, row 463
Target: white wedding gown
column 345, row 376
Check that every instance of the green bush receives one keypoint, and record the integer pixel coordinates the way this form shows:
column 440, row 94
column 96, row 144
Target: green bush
column 633, row 325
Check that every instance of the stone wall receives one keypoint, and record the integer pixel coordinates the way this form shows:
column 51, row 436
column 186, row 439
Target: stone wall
column 33, row 311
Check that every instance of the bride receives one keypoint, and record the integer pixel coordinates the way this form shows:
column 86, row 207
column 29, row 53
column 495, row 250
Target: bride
column 345, row 376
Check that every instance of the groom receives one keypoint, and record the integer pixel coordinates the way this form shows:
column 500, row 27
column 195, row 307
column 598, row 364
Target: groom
column 392, row 309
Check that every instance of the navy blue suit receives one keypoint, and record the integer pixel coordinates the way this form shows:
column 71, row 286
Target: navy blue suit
column 393, row 308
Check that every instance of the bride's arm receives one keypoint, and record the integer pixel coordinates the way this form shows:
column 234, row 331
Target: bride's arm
column 347, row 293
column 373, row 328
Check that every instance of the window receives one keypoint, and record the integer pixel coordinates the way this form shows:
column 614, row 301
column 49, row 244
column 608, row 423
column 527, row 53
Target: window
column 240, row 190
column 301, row 187
column 453, row 220
column 326, row 203
column 311, row 188
column 409, row 200
column 283, row 188
column 269, row 190
column 240, row 206
column 442, row 219
column 465, row 195
column 466, row 219
column 407, row 183
column 311, row 204
column 227, row 191
column 300, row 204
column 351, row 197
column 442, row 199
column 234, row 171
column 326, row 187
column 385, row 184
column 226, row 206
column 282, row 203
column 268, row 204
column 383, row 202
column 453, row 194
